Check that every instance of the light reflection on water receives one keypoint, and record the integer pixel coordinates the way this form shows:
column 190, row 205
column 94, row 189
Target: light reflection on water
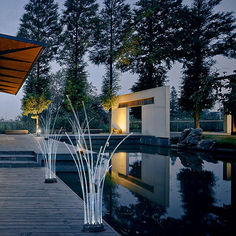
column 153, row 191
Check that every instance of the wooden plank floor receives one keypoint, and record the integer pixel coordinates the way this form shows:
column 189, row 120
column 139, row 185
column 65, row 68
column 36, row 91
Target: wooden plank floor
column 29, row 207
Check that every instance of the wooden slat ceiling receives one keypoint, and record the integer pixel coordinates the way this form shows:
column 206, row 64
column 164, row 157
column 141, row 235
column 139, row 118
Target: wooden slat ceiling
column 17, row 57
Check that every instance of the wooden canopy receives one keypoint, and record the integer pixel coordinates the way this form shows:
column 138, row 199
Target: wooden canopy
column 17, row 57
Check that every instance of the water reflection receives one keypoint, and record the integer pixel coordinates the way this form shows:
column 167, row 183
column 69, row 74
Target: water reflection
column 152, row 191
column 145, row 174
column 233, row 185
column 197, row 193
column 229, row 173
column 148, row 177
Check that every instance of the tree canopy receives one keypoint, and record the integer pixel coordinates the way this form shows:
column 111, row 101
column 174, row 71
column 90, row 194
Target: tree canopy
column 153, row 42
column 35, row 105
column 79, row 20
column 114, row 24
column 40, row 23
column 206, row 33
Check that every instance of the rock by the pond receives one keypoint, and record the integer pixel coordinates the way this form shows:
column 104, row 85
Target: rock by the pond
column 193, row 138
column 184, row 134
column 207, row 144
column 190, row 137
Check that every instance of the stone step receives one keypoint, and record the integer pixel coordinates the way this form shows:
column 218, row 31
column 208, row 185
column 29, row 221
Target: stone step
column 18, row 164
column 17, row 159
column 10, row 157
column 101, row 139
column 17, row 153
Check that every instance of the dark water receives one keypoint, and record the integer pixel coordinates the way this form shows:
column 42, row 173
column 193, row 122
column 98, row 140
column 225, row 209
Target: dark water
column 153, row 191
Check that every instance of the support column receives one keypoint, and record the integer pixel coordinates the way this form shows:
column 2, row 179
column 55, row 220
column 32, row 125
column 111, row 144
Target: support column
column 227, row 124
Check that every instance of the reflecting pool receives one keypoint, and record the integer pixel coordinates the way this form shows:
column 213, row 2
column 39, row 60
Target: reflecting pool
column 156, row 191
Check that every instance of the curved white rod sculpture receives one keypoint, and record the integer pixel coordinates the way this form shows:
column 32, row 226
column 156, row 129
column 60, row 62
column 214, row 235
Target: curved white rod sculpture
column 92, row 172
column 48, row 145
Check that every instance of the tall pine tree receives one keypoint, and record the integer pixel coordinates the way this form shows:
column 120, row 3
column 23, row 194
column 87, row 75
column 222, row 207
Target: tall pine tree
column 40, row 23
column 115, row 20
column 57, row 90
column 153, row 44
column 79, row 20
column 205, row 34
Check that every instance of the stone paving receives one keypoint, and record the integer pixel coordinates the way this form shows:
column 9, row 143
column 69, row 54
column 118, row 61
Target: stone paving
column 24, row 143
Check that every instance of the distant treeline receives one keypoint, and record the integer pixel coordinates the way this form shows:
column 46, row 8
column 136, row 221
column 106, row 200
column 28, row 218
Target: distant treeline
column 146, row 39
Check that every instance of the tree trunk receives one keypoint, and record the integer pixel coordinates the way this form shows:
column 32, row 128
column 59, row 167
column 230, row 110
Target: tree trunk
column 196, row 119
column 110, row 121
column 111, row 66
column 37, row 124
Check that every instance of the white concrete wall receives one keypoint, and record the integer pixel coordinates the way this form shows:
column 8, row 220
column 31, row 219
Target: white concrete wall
column 120, row 117
column 156, row 172
column 228, row 124
column 155, row 117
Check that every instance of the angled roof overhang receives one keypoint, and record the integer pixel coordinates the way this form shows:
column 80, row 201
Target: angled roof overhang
column 17, row 57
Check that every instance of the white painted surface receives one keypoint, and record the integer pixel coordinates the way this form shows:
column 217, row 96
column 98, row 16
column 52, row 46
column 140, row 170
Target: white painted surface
column 155, row 117
column 228, row 124
column 120, row 117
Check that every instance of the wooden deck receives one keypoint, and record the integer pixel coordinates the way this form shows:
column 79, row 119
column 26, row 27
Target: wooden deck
column 29, row 207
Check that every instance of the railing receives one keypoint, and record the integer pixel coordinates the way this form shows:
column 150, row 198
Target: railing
column 17, row 125
column 206, row 125
column 180, row 125
column 135, row 126
column 10, row 125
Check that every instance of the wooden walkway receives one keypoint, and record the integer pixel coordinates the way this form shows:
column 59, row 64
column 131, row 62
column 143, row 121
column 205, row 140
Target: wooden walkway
column 29, row 207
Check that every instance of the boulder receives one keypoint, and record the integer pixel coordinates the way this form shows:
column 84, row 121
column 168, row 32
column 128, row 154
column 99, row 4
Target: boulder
column 194, row 137
column 207, row 144
column 184, row 134
column 190, row 137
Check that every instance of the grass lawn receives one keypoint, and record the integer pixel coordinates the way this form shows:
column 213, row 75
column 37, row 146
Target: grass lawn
column 223, row 141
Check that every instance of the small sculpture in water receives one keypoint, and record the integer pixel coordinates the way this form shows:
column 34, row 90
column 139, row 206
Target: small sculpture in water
column 92, row 172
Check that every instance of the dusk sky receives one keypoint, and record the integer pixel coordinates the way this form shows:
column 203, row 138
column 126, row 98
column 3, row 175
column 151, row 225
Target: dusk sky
column 12, row 10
